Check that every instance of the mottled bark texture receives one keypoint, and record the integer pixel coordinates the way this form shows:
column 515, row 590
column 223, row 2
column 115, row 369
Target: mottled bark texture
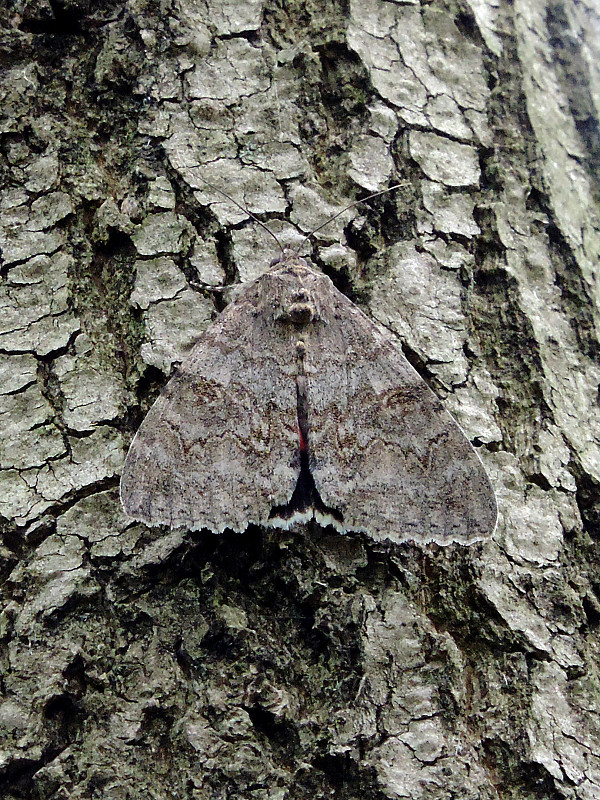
column 144, row 662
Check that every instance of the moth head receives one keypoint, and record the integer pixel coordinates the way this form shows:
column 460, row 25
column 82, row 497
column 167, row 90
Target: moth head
column 300, row 311
column 296, row 296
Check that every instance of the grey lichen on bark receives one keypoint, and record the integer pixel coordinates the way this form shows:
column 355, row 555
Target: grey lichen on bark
column 271, row 664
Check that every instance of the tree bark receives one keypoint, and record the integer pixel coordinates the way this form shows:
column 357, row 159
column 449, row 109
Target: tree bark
column 143, row 662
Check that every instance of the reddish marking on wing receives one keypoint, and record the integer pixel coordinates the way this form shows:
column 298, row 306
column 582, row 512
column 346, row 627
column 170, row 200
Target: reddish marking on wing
column 302, row 440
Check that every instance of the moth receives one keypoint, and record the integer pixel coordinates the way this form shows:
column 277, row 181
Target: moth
column 295, row 406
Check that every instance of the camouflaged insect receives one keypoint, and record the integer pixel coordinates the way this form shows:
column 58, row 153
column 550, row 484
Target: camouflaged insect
column 294, row 406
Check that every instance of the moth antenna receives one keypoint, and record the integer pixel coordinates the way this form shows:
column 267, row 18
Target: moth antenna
column 244, row 209
column 339, row 213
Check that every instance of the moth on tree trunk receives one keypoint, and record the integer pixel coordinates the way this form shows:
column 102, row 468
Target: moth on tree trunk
column 295, row 406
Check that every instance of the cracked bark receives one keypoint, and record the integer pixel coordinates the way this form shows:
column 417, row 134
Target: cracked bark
column 271, row 664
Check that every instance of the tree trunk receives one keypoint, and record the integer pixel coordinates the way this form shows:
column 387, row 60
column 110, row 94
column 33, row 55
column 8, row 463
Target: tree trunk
column 142, row 662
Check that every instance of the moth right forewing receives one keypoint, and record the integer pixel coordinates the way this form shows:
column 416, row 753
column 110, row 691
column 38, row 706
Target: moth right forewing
column 217, row 449
column 385, row 453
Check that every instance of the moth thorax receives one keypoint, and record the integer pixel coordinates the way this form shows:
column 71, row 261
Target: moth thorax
column 300, row 311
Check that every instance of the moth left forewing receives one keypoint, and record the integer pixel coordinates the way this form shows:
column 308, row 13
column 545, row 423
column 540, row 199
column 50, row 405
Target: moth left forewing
column 217, row 449
column 384, row 451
